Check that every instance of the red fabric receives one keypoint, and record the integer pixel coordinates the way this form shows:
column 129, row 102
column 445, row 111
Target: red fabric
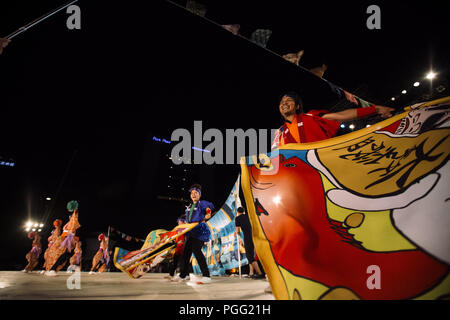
column 314, row 128
column 180, row 245
column 364, row 112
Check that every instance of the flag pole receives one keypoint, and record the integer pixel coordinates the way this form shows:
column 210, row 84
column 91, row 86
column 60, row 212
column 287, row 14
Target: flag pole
column 38, row 20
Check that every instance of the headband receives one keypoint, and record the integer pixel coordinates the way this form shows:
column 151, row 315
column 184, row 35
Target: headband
column 196, row 189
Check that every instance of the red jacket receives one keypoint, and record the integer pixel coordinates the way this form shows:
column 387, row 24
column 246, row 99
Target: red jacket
column 311, row 127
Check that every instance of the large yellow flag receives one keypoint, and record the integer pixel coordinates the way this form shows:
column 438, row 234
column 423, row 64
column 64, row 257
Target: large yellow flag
column 361, row 216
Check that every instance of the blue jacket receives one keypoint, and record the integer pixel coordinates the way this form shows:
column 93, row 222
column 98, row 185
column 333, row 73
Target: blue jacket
column 200, row 232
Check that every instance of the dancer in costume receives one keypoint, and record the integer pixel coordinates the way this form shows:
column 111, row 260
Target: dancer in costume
column 316, row 125
column 243, row 223
column 101, row 258
column 60, row 251
column 198, row 211
column 33, row 255
column 51, row 240
column 75, row 260
column 178, row 254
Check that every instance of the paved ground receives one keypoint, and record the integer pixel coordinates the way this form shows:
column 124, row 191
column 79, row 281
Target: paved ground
column 15, row 285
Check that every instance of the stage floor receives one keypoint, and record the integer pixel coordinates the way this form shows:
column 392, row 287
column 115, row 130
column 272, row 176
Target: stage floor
column 16, row 285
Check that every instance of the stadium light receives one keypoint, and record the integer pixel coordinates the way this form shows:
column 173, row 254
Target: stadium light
column 416, row 84
column 393, row 98
column 404, row 91
column 431, row 75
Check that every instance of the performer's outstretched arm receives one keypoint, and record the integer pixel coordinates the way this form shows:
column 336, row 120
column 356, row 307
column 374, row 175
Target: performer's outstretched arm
column 356, row 113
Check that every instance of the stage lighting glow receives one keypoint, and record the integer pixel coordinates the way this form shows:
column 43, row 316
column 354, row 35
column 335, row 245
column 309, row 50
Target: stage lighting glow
column 29, row 224
column 48, row 198
column 342, row 126
column 41, row 225
column 393, row 99
column 431, row 75
column 352, row 126
column 416, row 84
column 404, row 91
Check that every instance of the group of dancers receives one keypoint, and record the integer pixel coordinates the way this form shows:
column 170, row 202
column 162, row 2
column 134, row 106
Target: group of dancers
column 64, row 248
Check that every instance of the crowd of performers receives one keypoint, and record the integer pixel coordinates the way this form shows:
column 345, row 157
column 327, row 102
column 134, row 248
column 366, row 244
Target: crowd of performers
column 64, row 248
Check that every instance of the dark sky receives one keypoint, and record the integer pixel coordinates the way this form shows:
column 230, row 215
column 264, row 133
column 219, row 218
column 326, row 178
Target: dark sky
column 79, row 107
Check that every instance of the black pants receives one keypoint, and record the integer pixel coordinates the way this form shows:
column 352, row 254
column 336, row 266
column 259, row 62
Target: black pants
column 177, row 259
column 194, row 246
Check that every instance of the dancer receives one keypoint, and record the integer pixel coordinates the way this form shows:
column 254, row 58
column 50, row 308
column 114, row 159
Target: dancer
column 243, row 223
column 198, row 211
column 75, row 260
column 33, row 255
column 101, row 258
column 59, row 253
column 51, row 240
column 178, row 254
column 315, row 125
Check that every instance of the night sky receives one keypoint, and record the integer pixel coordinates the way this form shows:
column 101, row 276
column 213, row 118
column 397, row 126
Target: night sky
column 80, row 108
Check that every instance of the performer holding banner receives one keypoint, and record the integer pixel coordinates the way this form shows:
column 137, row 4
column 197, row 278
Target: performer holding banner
column 198, row 211
column 316, row 125
column 178, row 254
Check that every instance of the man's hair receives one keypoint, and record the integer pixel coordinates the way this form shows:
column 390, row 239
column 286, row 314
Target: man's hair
column 296, row 97
column 196, row 186
column 240, row 210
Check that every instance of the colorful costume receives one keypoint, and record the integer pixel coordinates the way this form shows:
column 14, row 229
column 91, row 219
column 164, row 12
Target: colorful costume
column 33, row 255
column 311, row 127
column 195, row 238
column 75, row 260
column 178, row 253
column 58, row 253
column 101, row 258
column 51, row 240
column 306, row 127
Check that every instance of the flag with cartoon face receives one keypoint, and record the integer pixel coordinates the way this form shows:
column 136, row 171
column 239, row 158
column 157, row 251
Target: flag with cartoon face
column 362, row 216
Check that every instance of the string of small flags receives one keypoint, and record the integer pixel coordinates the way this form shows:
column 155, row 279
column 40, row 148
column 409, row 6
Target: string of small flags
column 124, row 236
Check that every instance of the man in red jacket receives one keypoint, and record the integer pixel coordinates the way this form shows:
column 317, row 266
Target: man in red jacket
column 316, row 125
